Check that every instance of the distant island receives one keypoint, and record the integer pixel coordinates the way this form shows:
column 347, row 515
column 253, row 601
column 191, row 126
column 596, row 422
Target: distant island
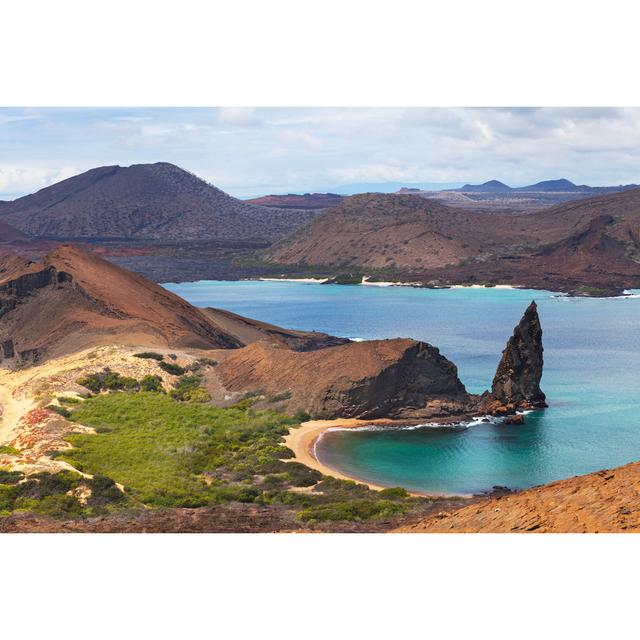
column 164, row 222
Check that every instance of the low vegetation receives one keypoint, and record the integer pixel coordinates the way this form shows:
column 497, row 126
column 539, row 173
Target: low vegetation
column 149, row 355
column 173, row 369
column 60, row 495
column 107, row 380
column 175, row 449
column 9, row 450
column 171, row 453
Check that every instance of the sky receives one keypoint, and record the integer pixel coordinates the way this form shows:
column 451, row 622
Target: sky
column 255, row 151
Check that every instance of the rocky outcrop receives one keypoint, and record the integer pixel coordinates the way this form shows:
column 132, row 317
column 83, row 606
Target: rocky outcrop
column 373, row 379
column 517, row 379
column 73, row 299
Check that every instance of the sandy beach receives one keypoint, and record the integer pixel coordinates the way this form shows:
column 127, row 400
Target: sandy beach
column 301, row 441
column 303, row 280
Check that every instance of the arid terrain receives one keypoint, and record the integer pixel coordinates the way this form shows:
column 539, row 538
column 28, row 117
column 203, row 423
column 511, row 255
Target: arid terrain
column 580, row 245
column 77, row 334
column 125, row 408
column 169, row 225
column 607, row 501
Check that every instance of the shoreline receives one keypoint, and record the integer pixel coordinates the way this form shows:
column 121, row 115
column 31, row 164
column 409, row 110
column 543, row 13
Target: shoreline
column 614, row 294
column 302, row 440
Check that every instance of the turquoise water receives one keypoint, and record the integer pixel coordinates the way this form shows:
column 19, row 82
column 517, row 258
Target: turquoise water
column 591, row 378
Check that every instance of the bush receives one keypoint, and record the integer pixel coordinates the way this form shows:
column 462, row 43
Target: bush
column 68, row 400
column 151, row 383
column 58, row 506
column 10, row 477
column 207, row 362
column 103, row 492
column 184, row 386
column 149, row 355
column 48, row 484
column 301, row 416
column 197, row 395
column 355, row 510
column 394, row 493
column 173, row 369
column 108, row 380
column 10, row 451
column 63, row 411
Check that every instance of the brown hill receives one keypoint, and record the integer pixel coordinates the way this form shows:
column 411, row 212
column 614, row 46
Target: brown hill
column 145, row 201
column 376, row 378
column 297, row 201
column 73, row 299
column 399, row 378
column 602, row 502
column 590, row 242
column 385, row 231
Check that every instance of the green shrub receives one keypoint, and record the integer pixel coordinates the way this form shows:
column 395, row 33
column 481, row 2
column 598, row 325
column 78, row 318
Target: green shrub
column 10, row 477
column 394, row 493
column 63, row 411
column 47, row 484
column 355, row 510
column 151, row 383
column 207, row 362
column 9, row 450
column 197, row 395
column 149, row 355
column 103, row 492
column 184, row 386
column 173, row 369
column 107, row 380
column 68, row 400
column 58, row 506
column 301, row 416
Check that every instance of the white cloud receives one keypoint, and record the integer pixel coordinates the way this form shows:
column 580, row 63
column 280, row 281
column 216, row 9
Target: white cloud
column 237, row 116
column 250, row 151
column 20, row 180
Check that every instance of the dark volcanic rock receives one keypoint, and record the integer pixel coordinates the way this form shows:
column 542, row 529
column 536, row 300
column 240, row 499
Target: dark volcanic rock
column 517, row 379
column 373, row 379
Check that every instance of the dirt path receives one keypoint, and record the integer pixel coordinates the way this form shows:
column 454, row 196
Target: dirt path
column 12, row 408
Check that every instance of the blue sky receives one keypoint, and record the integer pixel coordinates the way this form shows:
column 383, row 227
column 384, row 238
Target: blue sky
column 250, row 152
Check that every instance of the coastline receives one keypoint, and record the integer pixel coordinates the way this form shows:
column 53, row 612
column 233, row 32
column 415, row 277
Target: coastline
column 301, row 440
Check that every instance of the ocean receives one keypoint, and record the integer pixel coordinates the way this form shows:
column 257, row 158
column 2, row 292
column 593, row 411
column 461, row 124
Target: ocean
column 591, row 378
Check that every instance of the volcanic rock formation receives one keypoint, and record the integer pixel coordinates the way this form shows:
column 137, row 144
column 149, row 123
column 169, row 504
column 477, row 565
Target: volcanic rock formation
column 517, row 379
column 372, row 379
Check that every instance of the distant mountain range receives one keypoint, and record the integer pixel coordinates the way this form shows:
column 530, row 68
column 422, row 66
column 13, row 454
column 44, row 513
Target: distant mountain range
column 560, row 185
column 147, row 202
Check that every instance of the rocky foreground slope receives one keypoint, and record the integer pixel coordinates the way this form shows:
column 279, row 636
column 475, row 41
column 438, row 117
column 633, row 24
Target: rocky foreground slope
column 603, row 502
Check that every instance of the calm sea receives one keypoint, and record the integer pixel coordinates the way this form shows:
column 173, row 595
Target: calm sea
column 591, row 378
